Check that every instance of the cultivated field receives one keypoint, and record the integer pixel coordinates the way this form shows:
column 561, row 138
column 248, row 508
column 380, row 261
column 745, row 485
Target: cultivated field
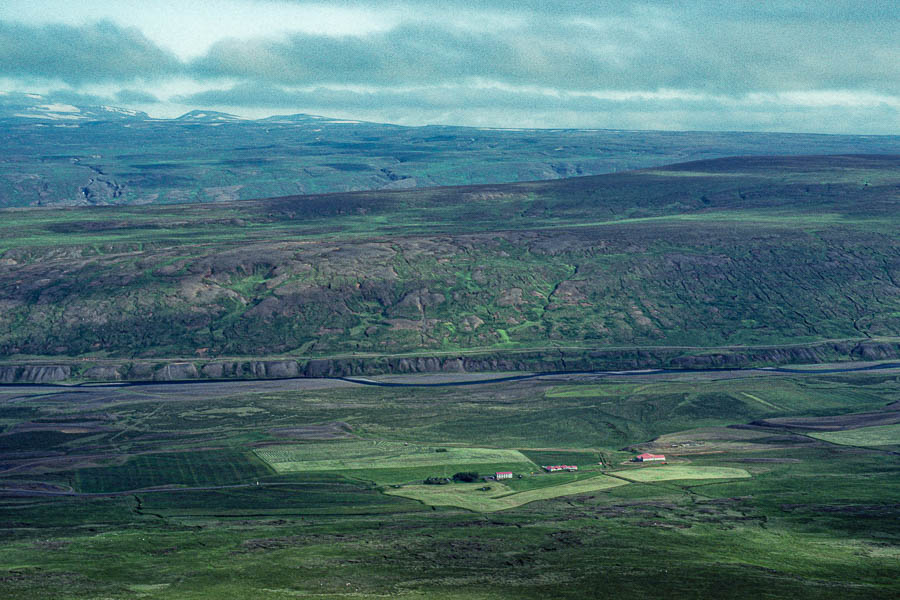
column 194, row 468
column 499, row 496
column 671, row 472
column 377, row 454
column 502, row 496
column 884, row 435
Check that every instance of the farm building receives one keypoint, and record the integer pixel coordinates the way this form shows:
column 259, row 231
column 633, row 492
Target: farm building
column 647, row 457
column 503, row 475
column 555, row 468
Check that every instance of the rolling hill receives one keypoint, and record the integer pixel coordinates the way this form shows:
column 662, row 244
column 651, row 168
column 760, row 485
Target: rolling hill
column 58, row 154
column 722, row 262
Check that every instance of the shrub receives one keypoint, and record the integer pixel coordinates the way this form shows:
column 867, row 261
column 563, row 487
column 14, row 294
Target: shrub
column 437, row 481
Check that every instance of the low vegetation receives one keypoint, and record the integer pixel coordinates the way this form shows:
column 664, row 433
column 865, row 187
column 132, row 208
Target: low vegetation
column 778, row 483
column 671, row 472
column 379, row 454
column 196, row 468
column 742, row 262
column 158, row 491
column 499, row 496
column 884, row 435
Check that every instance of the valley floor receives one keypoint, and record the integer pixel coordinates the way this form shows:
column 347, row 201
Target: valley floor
column 776, row 484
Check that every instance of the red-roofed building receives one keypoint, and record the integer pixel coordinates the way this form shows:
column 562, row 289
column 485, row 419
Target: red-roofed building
column 503, row 475
column 647, row 457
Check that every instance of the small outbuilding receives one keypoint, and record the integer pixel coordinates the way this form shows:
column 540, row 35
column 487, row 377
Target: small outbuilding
column 503, row 475
column 557, row 468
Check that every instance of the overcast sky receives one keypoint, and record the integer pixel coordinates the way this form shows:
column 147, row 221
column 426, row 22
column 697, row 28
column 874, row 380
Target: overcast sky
column 830, row 66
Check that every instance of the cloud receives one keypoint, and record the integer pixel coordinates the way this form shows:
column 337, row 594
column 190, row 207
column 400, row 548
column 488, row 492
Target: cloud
column 135, row 97
column 826, row 9
column 98, row 52
column 438, row 98
column 613, row 53
column 730, row 48
column 79, row 98
column 524, row 107
column 701, row 64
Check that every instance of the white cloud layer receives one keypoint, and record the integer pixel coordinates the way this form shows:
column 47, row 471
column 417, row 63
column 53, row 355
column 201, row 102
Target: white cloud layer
column 829, row 66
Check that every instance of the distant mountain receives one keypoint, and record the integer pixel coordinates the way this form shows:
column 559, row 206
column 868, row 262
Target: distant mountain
column 57, row 152
column 305, row 119
column 297, row 118
column 38, row 107
column 209, row 116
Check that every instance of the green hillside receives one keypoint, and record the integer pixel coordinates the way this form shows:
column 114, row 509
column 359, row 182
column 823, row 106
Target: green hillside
column 731, row 252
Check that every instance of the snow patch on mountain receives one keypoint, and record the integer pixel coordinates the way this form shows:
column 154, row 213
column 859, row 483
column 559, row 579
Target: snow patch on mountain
column 58, row 108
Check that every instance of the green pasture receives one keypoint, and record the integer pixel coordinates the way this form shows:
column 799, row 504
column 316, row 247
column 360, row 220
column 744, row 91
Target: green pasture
column 188, row 469
column 499, row 496
column 879, row 435
column 558, row 457
column 504, row 495
column 378, row 454
column 543, row 479
column 672, row 472
column 396, row 475
column 301, row 498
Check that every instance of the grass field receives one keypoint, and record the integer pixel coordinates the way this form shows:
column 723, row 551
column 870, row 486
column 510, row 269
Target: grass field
column 499, row 497
column 410, row 474
column 502, row 496
column 195, row 468
column 672, row 472
column 334, row 497
column 375, row 455
column 551, row 457
column 543, row 480
column 881, row 435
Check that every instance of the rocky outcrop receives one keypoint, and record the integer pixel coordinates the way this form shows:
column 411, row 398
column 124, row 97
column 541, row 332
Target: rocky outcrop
column 99, row 373
column 269, row 369
column 275, row 369
column 101, row 190
column 140, row 372
column 875, row 350
column 176, row 372
column 35, row 374
column 536, row 361
column 319, row 368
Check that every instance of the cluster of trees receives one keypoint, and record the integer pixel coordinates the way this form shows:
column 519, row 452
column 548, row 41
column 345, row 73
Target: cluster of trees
column 437, row 481
column 461, row 477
